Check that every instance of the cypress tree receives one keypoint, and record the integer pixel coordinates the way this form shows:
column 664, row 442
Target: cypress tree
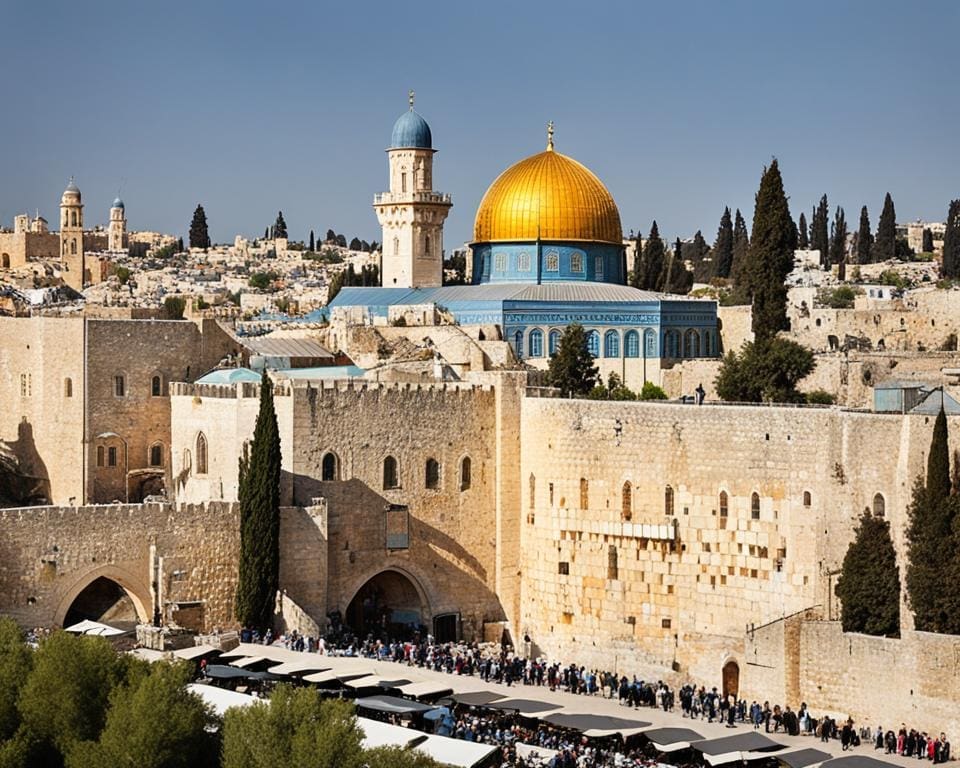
column 950, row 265
column 864, row 238
column 803, row 241
column 699, row 256
column 885, row 246
column 280, row 226
column 723, row 246
column 676, row 277
column 770, row 258
column 259, row 496
column 819, row 237
column 741, row 250
column 838, row 238
column 313, row 242
column 927, row 244
column 571, row 368
column 654, row 258
column 635, row 275
column 199, row 235
column 869, row 584
column 931, row 542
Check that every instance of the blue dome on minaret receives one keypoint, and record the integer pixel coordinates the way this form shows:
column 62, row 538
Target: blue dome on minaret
column 118, row 203
column 411, row 131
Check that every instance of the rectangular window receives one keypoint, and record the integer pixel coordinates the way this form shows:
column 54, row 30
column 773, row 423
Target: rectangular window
column 119, row 386
column 500, row 264
column 112, row 457
column 553, row 261
column 99, row 455
column 576, row 262
column 26, row 384
column 524, row 262
column 563, row 569
column 598, row 267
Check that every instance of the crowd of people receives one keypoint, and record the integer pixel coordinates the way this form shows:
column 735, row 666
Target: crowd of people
column 493, row 662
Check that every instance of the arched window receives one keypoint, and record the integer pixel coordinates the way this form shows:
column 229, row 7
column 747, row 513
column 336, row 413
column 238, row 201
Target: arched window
column 707, row 344
column 626, row 502
column 100, row 454
column 187, row 460
column 554, row 342
column 755, row 505
column 396, row 246
column 598, row 267
column 523, row 262
column 724, row 504
column 532, row 482
column 432, row 479
column 691, row 346
column 649, row 343
column 879, row 505
column 518, row 344
column 73, row 218
column 5, row 261
column 68, row 387
column 201, row 454
column 671, row 344
column 390, row 473
column 593, row 343
column 611, row 344
column 330, row 467
column 668, row 500
column 403, row 182
column 535, row 343
column 631, row 344
column 156, row 455
column 553, row 261
column 73, row 246
column 119, row 385
column 426, row 245
column 806, row 498
column 465, row 473
column 584, row 493
column 576, row 262
column 156, row 387
column 112, row 456
column 613, row 571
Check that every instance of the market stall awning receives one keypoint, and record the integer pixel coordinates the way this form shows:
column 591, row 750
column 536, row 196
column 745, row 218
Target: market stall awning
column 524, row 706
column 297, row 667
column 223, row 672
column 392, row 705
column 476, row 698
column 857, row 761
column 195, row 651
column 425, row 689
column 377, row 734
column 737, row 748
column 672, row 739
column 374, row 681
column 600, row 724
column 456, row 752
column 801, row 758
column 219, row 698
column 87, row 627
column 248, row 661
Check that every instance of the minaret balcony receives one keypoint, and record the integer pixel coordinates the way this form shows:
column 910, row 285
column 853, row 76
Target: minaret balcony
column 395, row 198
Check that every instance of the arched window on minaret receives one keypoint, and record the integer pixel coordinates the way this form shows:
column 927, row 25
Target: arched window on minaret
column 73, row 246
column 396, row 246
column 426, row 245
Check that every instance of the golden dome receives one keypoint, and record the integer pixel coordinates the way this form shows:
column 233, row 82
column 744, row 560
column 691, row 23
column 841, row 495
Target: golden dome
column 551, row 196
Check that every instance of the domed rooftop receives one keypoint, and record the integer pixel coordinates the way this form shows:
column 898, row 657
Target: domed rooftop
column 117, row 203
column 411, row 130
column 72, row 190
column 550, row 196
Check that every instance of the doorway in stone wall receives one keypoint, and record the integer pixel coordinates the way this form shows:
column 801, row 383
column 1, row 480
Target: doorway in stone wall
column 388, row 607
column 731, row 678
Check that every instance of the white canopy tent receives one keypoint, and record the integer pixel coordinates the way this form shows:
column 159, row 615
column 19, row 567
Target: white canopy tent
column 456, row 752
column 87, row 627
column 220, row 698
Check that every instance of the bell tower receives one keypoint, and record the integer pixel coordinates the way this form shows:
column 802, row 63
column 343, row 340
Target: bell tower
column 411, row 214
column 117, row 229
column 71, row 221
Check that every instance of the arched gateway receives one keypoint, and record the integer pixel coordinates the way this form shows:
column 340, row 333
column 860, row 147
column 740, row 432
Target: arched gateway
column 390, row 605
column 108, row 594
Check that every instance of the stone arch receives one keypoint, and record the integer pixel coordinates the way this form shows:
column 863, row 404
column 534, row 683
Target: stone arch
column 330, row 466
column 5, row 261
column 730, row 677
column 402, row 578
column 135, row 589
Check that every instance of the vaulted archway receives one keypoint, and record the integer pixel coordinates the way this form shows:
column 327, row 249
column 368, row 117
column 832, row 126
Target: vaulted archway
column 390, row 605
column 108, row 594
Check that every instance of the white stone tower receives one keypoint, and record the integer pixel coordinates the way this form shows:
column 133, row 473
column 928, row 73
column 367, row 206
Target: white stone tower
column 117, row 229
column 411, row 213
column 71, row 222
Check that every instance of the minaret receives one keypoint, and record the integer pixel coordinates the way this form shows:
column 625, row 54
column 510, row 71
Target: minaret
column 71, row 222
column 117, row 229
column 411, row 213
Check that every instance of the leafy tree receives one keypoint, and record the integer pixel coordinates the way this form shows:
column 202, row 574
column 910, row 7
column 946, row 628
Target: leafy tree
column 259, row 497
column 764, row 371
column 173, row 307
column 16, row 660
column 123, row 274
column 927, row 245
column 635, row 274
column 932, row 541
column 397, row 757
column 571, row 368
column 676, row 277
column 156, row 723
column 651, row 391
column 770, row 257
column 950, row 268
column 614, row 390
column 331, row 237
column 803, row 241
column 869, row 584
column 838, row 238
column 698, row 254
column 280, row 226
column 741, row 252
column 885, row 246
column 266, row 233
column 819, row 239
column 652, row 261
column 356, row 245
column 312, row 242
column 723, row 246
column 458, row 263
column 297, row 727
column 820, row 397
column 64, row 700
column 180, row 247
column 864, row 238
column 199, row 235
column 341, row 241
column 841, row 297
column 262, row 280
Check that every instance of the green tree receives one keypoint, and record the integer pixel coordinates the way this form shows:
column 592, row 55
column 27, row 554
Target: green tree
column 869, row 584
column 838, row 238
column 173, row 307
column 652, row 261
column 297, row 727
column 698, row 254
column 764, row 371
column 571, row 368
column 676, row 278
column 155, row 723
column 313, row 242
column 932, row 541
column 770, row 259
column 723, row 246
column 950, row 265
column 199, row 235
column 16, row 661
column 819, row 239
column 356, row 245
column 64, row 700
column 741, row 253
column 280, row 226
column 651, row 391
column 635, row 274
column 864, row 238
column 262, row 280
column 397, row 757
column 927, row 245
column 123, row 274
column 259, row 497
column 885, row 246
column 803, row 240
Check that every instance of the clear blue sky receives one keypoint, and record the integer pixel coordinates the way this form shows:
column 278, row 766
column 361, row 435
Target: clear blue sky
column 251, row 107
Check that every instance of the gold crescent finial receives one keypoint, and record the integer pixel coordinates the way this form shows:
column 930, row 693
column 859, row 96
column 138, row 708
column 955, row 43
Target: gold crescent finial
column 410, row 96
column 550, row 136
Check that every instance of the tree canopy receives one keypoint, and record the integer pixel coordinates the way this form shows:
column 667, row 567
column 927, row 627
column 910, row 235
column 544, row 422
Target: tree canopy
column 280, row 226
column 571, row 369
column 864, row 238
column 199, row 235
column 651, row 262
column 950, row 268
column 885, row 245
column 723, row 246
column 869, row 584
column 764, row 371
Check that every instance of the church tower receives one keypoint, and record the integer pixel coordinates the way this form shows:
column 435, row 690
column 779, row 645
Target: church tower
column 71, row 222
column 117, row 229
column 411, row 213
